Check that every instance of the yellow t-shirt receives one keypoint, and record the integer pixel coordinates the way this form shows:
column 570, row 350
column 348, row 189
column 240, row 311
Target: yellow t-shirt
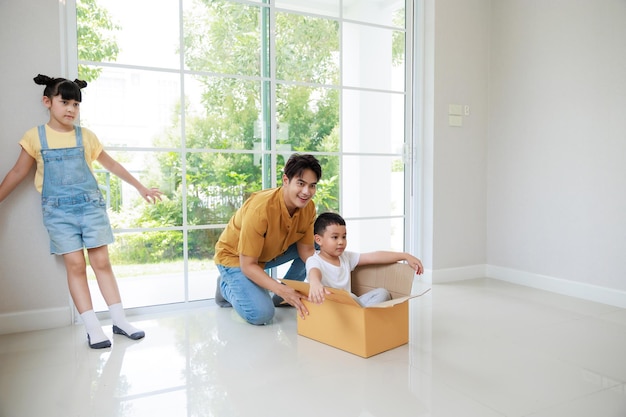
column 262, row 228
column 31, row 144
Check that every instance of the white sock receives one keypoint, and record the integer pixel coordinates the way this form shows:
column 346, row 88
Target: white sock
column 93, row 327
column 118, row 317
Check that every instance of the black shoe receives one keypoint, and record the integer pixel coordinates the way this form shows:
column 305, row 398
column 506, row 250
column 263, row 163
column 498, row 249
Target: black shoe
column 219, row 298
column 280, row 301
column 135, row 336
column 100, row 345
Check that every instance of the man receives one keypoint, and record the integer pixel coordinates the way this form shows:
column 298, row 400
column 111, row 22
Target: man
column 273, row 227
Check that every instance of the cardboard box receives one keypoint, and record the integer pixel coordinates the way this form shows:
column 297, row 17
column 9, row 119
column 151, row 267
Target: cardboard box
column 341, row 322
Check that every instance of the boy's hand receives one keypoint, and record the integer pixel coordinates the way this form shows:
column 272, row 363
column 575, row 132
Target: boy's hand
column 317, row 292
column 415, row 263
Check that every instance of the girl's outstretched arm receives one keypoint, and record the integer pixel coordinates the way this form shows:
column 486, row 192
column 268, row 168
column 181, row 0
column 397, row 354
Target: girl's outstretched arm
column 16, row 174
column 148, row 194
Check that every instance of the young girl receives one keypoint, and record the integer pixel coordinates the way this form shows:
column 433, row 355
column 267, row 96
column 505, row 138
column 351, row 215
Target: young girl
column 74, row 211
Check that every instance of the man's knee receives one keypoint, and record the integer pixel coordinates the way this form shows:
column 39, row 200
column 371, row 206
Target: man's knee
column 260, row 316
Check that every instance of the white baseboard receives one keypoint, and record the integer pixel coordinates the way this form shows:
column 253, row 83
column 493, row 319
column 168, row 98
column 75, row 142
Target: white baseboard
column 581, row 290
column 575, row 289
column 25, row 321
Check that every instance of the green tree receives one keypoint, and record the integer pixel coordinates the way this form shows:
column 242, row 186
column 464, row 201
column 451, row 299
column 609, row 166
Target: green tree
column 398, row 38
column 225, row 45
column 225, row 38
column 95, row 32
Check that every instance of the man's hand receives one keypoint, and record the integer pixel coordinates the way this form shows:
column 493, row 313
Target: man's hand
column 294, row 298
column 251, row 269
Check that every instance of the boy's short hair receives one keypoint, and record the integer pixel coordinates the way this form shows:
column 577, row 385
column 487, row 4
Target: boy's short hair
column 327, row 219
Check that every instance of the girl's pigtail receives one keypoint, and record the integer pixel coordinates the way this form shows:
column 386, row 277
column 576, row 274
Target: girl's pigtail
column 80, row 83
column 48, row 81
column 43, row 80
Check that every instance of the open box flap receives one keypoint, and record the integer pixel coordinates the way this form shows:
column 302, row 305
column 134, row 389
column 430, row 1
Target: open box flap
column 344, row 297
column 339, row 296
column 396, row 301
column 397, row 278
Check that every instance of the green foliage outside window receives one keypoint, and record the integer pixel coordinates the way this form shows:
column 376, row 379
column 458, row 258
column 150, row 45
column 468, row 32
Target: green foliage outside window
column 96, row 41
column 225, row 39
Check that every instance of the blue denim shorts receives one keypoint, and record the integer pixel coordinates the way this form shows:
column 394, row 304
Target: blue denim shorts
column 77, row 222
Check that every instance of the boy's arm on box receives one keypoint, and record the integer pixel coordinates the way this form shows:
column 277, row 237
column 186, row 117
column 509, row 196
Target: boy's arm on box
column 388, row 257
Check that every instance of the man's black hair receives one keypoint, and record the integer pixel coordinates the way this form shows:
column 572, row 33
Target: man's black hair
column 296, row 164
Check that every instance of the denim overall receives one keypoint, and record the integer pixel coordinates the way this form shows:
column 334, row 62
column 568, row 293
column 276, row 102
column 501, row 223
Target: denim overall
column 74, row 211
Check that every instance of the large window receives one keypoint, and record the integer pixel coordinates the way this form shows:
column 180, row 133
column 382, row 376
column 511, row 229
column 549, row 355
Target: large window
column 206, row 99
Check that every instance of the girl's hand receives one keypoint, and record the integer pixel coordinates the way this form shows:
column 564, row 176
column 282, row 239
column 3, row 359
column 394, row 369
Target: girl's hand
column 151, row 195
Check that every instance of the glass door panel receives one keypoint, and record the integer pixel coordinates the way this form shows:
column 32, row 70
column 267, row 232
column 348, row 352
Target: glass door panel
column 148, row 266
column 207, row 100
column 373, row 186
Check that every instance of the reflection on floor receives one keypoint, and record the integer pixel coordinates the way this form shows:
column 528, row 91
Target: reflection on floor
column 479, row 348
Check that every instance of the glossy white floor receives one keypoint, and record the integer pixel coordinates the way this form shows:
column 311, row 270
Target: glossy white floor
column 478, row 348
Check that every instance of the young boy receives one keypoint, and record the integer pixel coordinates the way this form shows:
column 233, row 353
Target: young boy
column 332, row 264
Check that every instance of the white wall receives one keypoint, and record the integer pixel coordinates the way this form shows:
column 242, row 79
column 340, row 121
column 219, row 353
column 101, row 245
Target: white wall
column 456, row 44
column 556, row 200
column 33, row 290
column 531, row 188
